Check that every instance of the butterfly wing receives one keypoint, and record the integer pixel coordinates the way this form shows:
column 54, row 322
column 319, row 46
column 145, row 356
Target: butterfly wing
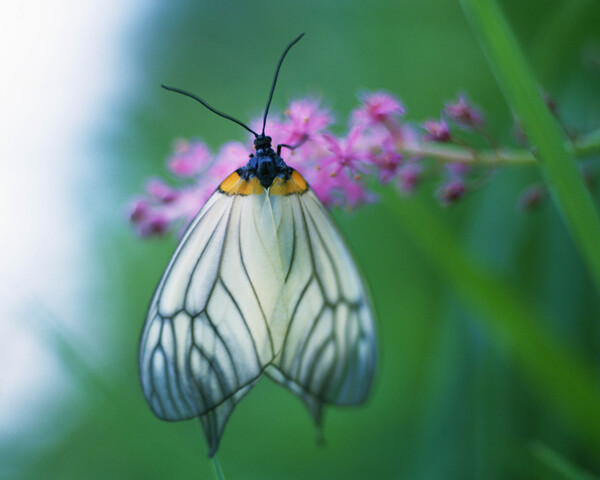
column 207, row 338
column 260, row 282
column 328, row 352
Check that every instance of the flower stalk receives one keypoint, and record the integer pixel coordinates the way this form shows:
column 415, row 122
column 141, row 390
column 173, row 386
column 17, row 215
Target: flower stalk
column 588, row 145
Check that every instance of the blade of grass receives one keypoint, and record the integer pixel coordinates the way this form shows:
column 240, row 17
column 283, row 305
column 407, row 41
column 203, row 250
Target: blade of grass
column 516, row 81
column 557, row 463
column 561, row 378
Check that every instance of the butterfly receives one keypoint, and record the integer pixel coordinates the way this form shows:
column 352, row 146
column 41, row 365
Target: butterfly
column 262, row 282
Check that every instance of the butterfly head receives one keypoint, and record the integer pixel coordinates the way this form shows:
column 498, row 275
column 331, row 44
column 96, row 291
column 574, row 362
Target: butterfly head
column 262, row 142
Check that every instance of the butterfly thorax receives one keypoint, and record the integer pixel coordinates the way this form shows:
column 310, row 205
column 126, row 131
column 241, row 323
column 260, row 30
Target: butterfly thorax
column 265, row 172
column 265, row 164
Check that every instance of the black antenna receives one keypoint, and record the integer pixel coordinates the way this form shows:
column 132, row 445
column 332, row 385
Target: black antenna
column 220, row 114
column 275, row 79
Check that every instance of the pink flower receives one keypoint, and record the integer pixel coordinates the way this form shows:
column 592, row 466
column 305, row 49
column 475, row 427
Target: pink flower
column 385, row 158
column 322, row 183
column 305, row 119
column 436, row 131
column 157, row 224
column 355, row 193
column 344, row 152
column 377, row 108
column 189, row 158
column 343, row 190
column 160, row 191
column 451, row 191
column 139, row 210
column 464, row 114
column 147, row 219
column 409, row 175
column 388, row 163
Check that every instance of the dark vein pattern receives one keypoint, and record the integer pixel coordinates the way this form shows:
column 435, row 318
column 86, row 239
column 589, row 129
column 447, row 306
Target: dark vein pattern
column 258, row 283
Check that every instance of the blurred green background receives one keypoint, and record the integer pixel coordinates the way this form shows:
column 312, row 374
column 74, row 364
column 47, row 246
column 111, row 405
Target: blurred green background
column 449, row 401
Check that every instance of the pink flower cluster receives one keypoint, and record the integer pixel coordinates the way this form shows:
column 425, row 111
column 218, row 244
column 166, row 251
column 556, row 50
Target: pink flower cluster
column 338, row 168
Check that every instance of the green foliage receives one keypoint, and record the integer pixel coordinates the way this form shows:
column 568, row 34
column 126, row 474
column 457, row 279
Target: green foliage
column 557, row 374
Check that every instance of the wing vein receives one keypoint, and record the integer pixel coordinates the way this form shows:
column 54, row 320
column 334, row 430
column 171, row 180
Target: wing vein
column 208, row 242
column 235, row 303
column 254, row 291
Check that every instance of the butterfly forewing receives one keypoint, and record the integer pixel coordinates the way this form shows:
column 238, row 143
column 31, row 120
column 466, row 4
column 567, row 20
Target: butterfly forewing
column 198, row 348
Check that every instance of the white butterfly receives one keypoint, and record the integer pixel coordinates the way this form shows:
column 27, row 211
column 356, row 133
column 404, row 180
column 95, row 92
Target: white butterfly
column 261, row 282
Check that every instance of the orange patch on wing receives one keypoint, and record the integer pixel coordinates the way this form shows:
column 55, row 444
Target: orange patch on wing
column 294, row 184
column 230, row 182
column 235, row 185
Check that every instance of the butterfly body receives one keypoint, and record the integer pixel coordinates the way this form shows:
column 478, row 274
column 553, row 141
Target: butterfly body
column 265, row 164
column 265, row 171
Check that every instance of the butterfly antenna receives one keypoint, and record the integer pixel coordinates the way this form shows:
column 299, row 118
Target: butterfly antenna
column 275, row 79
column 214, row 110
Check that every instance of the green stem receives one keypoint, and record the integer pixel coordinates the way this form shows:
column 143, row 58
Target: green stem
column 515, row 79
column 217, row 468
column 586, row 146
